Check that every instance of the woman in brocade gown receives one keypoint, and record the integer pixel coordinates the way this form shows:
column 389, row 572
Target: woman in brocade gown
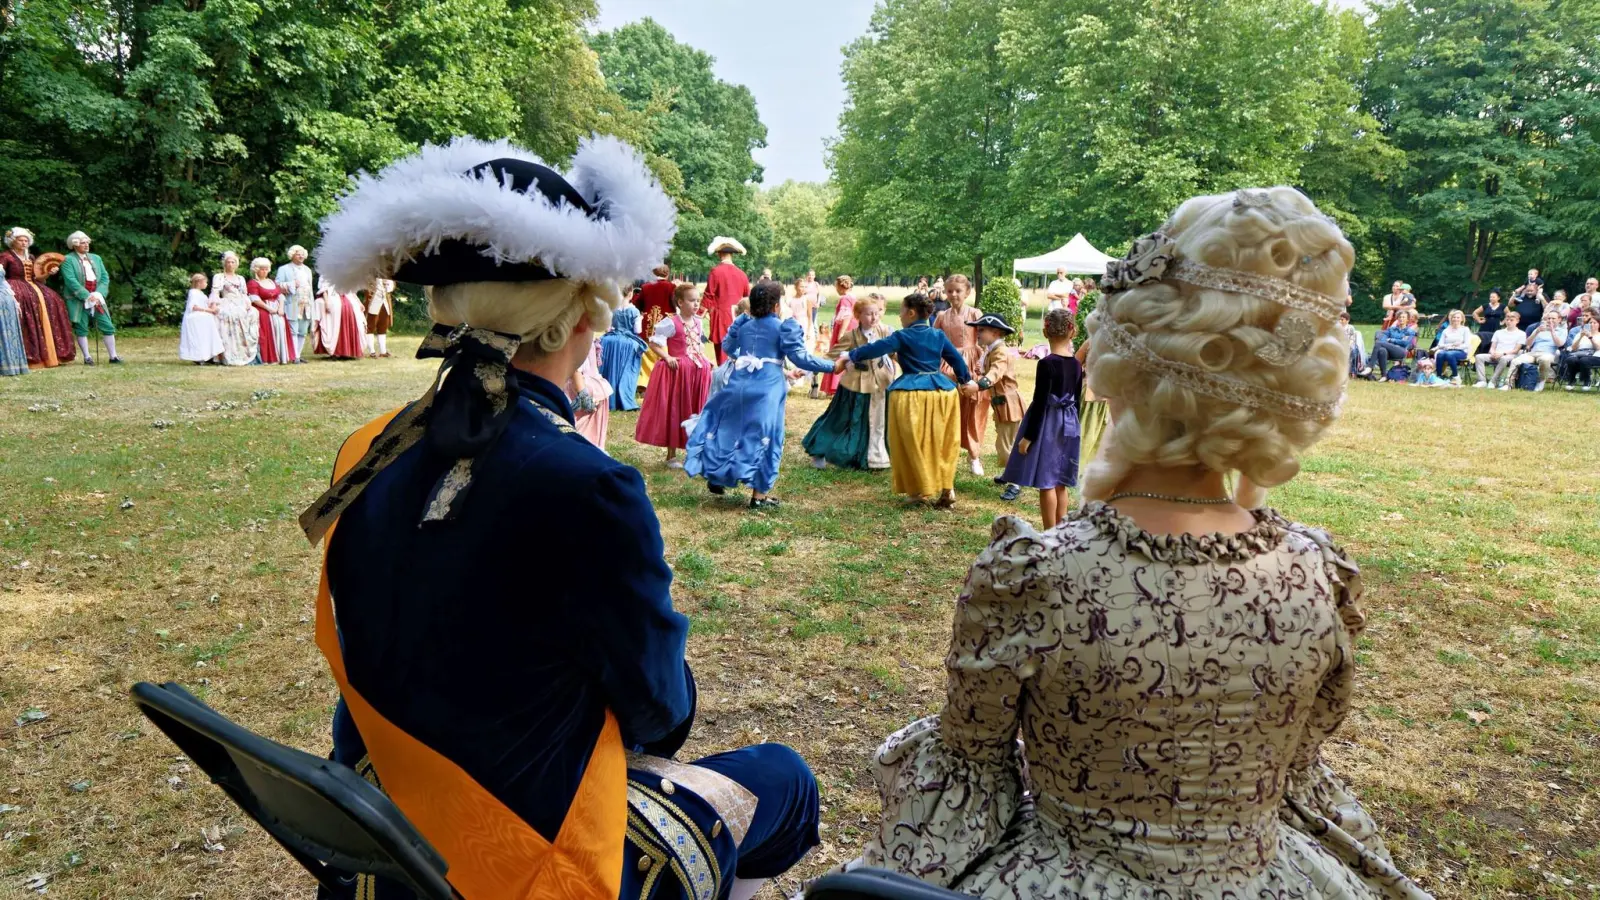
column 277, row 338
column 239, row 321
column 46, row 329
column 13, row 357
column 1173, row 658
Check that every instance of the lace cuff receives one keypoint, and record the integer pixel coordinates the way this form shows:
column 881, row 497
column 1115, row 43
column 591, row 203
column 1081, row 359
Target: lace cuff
column 941, row 810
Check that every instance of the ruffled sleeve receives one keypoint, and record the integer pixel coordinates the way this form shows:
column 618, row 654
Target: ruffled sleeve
column 664, row 330
column 951, row 784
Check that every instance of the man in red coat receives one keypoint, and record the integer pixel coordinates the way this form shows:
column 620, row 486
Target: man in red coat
column 725, row 287
column 655, row 299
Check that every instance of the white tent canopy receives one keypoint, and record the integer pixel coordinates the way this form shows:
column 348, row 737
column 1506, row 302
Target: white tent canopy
column 1078, row 257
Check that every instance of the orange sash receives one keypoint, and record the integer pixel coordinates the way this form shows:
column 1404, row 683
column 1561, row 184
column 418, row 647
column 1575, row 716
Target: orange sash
column 493, row 854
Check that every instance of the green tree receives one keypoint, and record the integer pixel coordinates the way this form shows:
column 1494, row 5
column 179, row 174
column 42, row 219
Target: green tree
column 174, row 129
column 710, row 129
column 925, row 139
column 803, row 238
column 1496, row 109
column 1137, row 107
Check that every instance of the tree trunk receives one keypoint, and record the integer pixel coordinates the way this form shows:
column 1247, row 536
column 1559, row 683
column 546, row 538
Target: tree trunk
column 977, row 279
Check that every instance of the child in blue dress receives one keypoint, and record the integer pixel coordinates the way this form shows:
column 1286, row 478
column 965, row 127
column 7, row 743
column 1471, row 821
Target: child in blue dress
column 621, row 353
column 738, row 438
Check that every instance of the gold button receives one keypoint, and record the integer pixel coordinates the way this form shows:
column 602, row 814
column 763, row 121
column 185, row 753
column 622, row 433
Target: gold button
column 716, row 829
column 666, row 787
column 644, row 863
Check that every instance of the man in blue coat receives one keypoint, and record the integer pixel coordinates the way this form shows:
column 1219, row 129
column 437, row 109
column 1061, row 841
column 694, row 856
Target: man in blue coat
column 498, row 583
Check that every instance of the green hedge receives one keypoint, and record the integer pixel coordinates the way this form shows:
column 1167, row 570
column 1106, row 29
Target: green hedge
column 1002, row 298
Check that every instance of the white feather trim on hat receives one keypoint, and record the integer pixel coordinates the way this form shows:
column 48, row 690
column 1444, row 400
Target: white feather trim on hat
column 722, row 244
column 417, row 203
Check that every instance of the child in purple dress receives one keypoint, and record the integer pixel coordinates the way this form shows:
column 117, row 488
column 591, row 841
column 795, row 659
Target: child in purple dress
column 1046, row 455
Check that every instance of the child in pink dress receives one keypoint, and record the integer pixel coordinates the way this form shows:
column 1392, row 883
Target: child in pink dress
column 680, row 382
column 590, row 395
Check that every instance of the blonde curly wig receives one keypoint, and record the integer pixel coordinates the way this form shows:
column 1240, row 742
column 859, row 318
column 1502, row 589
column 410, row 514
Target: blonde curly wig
column 1157, row 422
column 544, row 313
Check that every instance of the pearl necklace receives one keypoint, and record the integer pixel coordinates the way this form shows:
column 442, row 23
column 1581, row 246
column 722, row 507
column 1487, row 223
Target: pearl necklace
column 1202, row 501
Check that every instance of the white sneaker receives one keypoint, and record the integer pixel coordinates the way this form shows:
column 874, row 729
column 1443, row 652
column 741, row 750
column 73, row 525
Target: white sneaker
column 977, row 466
column 675, row 464
column 1455, row 380
column 1587, row 388
column 1568, row 387
column 1481, row 384
column 1538, row 387
column 1505, row 387
column 818, row 462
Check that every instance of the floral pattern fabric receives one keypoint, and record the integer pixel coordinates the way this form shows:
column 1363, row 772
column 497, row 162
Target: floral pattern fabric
column 1171, row 694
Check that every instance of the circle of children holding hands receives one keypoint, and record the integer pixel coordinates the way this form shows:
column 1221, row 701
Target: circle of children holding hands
column 534, row 744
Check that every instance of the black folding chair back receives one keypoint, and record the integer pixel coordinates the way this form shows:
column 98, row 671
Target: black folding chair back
column 875, row 884
column 330, row 819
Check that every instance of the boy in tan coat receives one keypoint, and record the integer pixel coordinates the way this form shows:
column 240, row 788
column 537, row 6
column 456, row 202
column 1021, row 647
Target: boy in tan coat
column 994, row 374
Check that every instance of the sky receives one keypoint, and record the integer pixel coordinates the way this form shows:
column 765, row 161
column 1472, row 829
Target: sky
column 787, row 53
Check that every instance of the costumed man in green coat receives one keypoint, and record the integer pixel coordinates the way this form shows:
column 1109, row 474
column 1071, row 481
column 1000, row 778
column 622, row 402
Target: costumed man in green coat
column 84, row 284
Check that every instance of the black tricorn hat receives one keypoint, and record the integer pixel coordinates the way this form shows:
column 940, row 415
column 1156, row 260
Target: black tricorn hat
column 477, row 211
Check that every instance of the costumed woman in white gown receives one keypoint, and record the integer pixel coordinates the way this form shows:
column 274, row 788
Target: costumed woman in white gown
column 200, row 340
column 1173, row 657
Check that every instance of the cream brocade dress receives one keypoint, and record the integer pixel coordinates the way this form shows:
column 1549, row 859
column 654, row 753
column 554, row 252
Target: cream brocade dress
column 1172, row 694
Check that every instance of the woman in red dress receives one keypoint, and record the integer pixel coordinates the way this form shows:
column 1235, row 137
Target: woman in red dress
column 46, row 330
column 844, row 322
column 277, row 339
column 341, row 331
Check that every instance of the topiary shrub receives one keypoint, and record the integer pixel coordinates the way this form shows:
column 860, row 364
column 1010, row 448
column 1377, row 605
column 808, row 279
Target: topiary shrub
column 1085, row 306
column 1002, row 298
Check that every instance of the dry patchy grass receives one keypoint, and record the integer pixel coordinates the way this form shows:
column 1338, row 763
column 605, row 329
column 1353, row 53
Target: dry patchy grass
column 1474, row 737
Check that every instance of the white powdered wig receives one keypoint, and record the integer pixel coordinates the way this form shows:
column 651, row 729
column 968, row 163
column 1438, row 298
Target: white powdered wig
column 414, row 205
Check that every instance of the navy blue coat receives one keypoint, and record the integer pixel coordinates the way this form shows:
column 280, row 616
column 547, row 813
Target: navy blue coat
column 499, row 639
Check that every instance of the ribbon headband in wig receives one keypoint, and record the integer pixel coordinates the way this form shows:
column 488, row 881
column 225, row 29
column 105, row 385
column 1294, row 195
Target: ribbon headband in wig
column 1203, row 381
column 1153, row 258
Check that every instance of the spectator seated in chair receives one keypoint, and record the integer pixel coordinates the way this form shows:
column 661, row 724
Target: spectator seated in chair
column 1582, row 354
column 1503, row 348
column 1392, row 344
column 1544, row 346
column 1454, row 343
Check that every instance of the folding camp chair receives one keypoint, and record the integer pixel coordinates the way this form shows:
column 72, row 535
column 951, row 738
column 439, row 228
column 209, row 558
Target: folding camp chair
column 874, row 884
column 331, row 820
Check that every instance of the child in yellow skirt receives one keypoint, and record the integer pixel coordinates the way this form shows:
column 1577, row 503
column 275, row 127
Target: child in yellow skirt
column 924, row 412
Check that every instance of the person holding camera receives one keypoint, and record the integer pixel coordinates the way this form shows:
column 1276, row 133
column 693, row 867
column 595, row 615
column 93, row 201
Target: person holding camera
column 1545, row 341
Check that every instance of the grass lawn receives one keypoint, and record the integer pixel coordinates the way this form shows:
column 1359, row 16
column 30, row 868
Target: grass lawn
column 147, row 533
